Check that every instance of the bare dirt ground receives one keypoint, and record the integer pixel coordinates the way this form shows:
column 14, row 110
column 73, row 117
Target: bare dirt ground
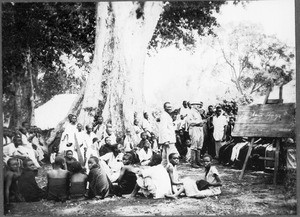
column 254, row 194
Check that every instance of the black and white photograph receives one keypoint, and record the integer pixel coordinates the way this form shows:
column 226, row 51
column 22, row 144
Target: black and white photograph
column 149, row 108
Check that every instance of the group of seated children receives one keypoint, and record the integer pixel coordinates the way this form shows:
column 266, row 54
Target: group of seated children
column 153, row 181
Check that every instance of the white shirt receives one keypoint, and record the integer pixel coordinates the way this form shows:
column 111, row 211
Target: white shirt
column 143, row 156
column 146, row 125
column 194, row 117
column 100, row 131
column 166, row 129
column 219, row 123
column 159, row 179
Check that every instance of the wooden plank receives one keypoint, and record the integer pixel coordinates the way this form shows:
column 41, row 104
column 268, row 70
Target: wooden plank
column 274, row 101
column 246, row 160
column 276, row 164
column 269, row 120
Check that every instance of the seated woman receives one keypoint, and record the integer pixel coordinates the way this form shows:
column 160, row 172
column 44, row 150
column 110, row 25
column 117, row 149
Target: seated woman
column 112, row 162
column 153, row 181
column 99, row 184
column 127, row 179
column 78, row 181
column 203, row 188
column 27, row 183
column 58, row 180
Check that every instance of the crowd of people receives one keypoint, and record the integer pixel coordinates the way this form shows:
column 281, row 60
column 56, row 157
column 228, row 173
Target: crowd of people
column 91, row 162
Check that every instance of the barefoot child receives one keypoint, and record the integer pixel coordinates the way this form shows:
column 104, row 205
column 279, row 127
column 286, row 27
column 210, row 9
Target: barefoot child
column 212, row 179
column 172, row 170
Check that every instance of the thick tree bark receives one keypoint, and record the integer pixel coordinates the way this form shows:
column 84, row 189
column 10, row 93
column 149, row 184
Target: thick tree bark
column 124, row 40
column 22, row 110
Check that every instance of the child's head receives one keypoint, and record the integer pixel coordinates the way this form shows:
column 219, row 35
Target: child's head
column 107, row 140
column 109, row 131
column 207, row 160
column 147, row 145
column 231, row 121
column 60, row 162
column 188, row 143
column 29, row 165
column 127, row 159
column 88, row 128
column 117, row 148
column 155, row 160
column 174, row 158
column 17, row 141
column 69, row 154
column 79, row 127
column 95, row 139
column 144, row 136
column 13, row 164
column 73, row 119
column 76, row 167
column 93, row 161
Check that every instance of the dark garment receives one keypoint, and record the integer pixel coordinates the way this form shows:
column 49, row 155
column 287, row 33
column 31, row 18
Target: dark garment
column 135, row 157
column 180, row 145
column 29, row 188
column 209, row 142
column 229, row 129
column 99, row 183
column 58, row 189
column 142, row 143
column 225, row 153
column 77, row 190
column 69, row 162
column 202, row 184
column 105, row 149
column 126, row 184
column 241, row 157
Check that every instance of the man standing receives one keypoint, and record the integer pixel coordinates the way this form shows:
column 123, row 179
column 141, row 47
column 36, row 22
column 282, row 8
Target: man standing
column 146, row 125
column 99, row 128
column 167, row 137
column 219, row 122
column 195, row 124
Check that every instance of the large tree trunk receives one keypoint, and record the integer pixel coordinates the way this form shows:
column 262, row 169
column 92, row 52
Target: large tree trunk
column 124, row 40
column 23, row 108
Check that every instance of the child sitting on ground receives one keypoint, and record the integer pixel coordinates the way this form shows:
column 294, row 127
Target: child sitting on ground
column 69, row 159
column 99, row 184
column 145, row 153
column 172, row 170
column 78, row 181
column 58, row 181
column 27, row 183
column 153, row 181
column 11, row 177
column 127, row 179
column 211, row 184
